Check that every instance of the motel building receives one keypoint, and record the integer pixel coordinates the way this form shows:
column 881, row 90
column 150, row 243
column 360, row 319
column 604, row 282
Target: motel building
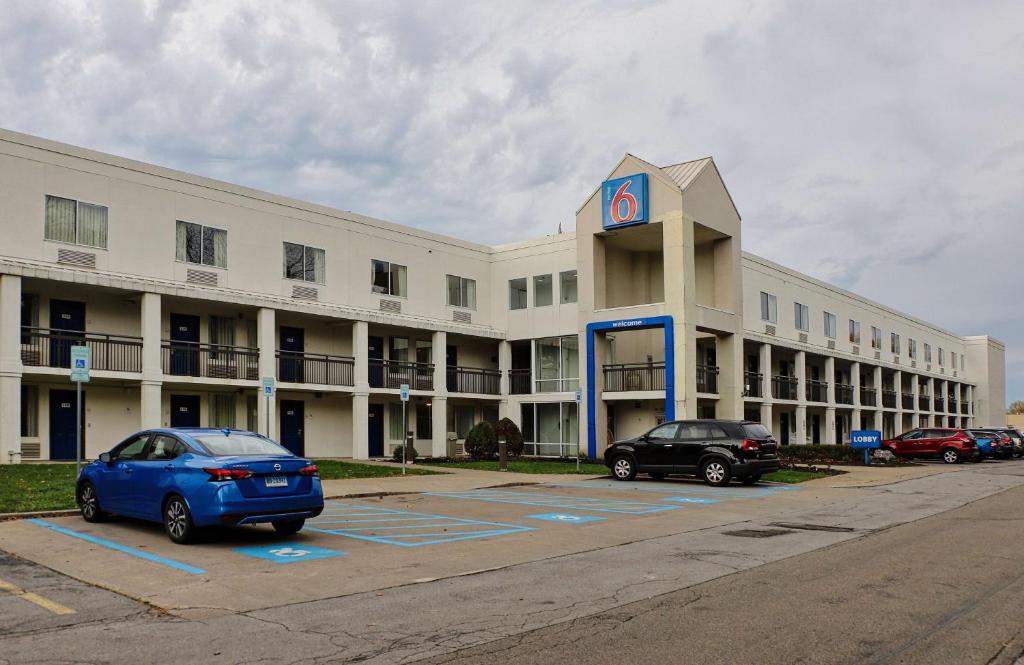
column 189, row 291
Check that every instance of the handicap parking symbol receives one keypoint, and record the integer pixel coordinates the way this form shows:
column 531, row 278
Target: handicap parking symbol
column 289, row 552
column 79, row 363
column 690, row 499
column 566, row 518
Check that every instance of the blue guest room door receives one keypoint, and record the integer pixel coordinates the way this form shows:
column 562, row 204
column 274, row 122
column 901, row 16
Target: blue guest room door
column 62, row 424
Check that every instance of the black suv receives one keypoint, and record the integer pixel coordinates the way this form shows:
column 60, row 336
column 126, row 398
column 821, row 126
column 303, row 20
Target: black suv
column 715, row 450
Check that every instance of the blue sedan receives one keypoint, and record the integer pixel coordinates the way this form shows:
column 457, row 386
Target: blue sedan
column 190, row 478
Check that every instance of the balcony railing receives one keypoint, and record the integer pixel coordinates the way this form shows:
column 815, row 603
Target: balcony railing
column 954, row 405
column 519, row 381
column 889, row 399
column 707, row 379
column 41, row 347
column 754, row 384
column 473, row 380
column 940, row 404
column 844, row 393
column 817, row 391
column 634, row 376
column 908, row 401
column 868, row 397
column 784, row 387
column 924, row 403
column 301, row 367
column 209, row 360
column 393, row 373
column 965, row 408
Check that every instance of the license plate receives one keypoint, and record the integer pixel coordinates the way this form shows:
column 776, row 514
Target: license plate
column 277, row 481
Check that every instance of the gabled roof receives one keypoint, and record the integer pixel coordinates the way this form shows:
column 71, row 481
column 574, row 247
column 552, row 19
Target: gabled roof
column 684, row 173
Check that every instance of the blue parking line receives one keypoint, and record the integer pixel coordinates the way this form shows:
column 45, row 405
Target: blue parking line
column 557, row 501
column 120, row 548
column 756, row 492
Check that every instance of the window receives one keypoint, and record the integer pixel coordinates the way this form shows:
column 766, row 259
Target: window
column 424, row 422
column 203, row 245
column 304, row 263
column 461, row 292
column 399, row 349
column 30, row 411
column 75, row 222
column 517, row 293
column 542, row 290
column 222, row 331
column 802, row 317
column 463, row 421
column 854, row 332
column 133, row 449
column 165, row 448
column 927, row 353
column 769, row 308
column 876, row 338
column 558, row 364
column 952, row 358
column 389, row 278
column 29, row 315
column 222, row 410
column 423, row 351
column 252, row 411
column 396, row 425
column 666, row 432
column 830, row 325
column 894, row 343
column 567, row 286
column 550, row 429
column 942, row 357
column 912, row 348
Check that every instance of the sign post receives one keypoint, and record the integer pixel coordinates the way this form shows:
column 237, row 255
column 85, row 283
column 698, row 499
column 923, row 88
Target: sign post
column 268, row 392
column 80, row 362
column 579, row 397
column 403, row 391
column 866, row 440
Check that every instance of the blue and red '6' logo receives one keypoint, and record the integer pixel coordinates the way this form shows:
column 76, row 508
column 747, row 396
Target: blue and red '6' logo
column 624, row 201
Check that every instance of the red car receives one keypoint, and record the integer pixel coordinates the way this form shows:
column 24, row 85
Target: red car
column 950, row 444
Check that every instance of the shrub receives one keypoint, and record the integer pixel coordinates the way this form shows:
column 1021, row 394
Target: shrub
column 481, row 442
column 410, row 453
column 513, row 437
column 827, row 455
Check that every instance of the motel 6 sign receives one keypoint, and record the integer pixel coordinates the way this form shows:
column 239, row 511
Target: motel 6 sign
column 624, row 201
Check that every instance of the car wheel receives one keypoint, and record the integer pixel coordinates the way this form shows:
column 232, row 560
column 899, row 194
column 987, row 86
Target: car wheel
column 623, row 468
column 751, row 479
column 951, row 456
column 716, row 472
column 178, row 520
column 89, row 503
column 657, row 476
column 288, row 527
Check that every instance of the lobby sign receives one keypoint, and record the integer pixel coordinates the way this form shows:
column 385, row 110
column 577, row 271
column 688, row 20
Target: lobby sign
column 624, row 201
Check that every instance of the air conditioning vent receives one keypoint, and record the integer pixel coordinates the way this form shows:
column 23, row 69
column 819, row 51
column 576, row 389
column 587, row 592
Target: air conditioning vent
column 29, row 450
column 75, row 258
column 878, row 355
column 304, row 292
column 392, row 306
column 769, row 329
column 954, row 372
column 896, row 360
column 831, row 344
column 204, row 277
column 803, row 337
column 856, row 350
column 913, row 363
column 928, row 368
column 462, row 317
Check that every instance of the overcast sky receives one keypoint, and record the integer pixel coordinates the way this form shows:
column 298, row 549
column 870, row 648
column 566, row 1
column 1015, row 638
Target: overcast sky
column 877, row 145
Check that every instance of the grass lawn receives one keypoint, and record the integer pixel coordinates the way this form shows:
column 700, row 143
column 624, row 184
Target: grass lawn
column 33, row 487
column 791, row 476
column 525, row 466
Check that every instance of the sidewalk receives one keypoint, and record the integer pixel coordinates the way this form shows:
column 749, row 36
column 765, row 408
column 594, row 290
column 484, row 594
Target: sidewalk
column 876, row 476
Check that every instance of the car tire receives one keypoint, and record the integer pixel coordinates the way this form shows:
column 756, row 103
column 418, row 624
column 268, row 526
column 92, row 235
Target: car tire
column 952, row 456
column 657, row 476
column 751, row 479
column 89, row 503
column 288, row 527
column 178, row 520
column 716, row 472
column 623, row 468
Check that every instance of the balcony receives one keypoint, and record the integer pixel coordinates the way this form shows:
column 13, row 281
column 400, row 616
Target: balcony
column 519, row 381
column 41, row 347
column 924, row 403
column 889, row 399
column 817, row 391
column 393, row 373
column 634, row 376
column 784, row 387
column 707, row 379
column 844, row 393
column 868, row 397
column 473, row 380
column 209, row 360
column 908, row 401
column 321, row 369
column 965, row 408
column 940, row 404
column 754, row 384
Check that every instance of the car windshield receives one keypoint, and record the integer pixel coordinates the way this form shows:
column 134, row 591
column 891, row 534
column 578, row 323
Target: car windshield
column 756, row 431
column 237, row 443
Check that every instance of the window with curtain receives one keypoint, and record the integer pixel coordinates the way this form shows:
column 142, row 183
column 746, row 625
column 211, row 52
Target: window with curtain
column 251, row 413
column 557, row 360
column 854, row 331
column 424, row 352
column 305, row 263
column 801, row 316
column 830, row 325
column 388, row 278
column 769, row 307
column 75, row 222
column 30, row 411
column 222, row 331
column 424, row 422
column 222, row 410
column 567, row 287
column 461, row 292
column 399, row 349
column 396, row 425
column 202, row 245
column 463, row 421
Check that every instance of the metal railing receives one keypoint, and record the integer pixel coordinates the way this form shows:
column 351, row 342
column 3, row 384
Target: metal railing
column 707, row 379
column 784, row 387
column 319, row 368
column 42, row 347
column 209, row 360
column 844, row 393
column 519, row 381
column 889, row 399
column 924, row 402
column 868, row 397
column 754, row 384
column 965, row 408
column 817, row 391
column 908, row 401
column 940, row 404
column 393, row 373
column 473, row 380
column 634, row 376
column 954, row 405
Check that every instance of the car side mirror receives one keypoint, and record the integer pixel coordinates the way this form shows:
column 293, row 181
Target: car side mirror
column 105, row 458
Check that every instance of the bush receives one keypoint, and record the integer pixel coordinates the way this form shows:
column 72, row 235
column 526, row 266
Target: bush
column 481, row 443
column 821, row 454
column 513, row 437
column 410, row 453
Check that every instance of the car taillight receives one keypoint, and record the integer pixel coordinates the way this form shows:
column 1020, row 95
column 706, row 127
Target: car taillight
column 311, row 470
column 1005, row 442
column 228, row 474
column 965, row 437
column 751, row 445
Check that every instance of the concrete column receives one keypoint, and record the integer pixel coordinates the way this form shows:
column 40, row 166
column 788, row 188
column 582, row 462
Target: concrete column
column 801, row 425
column 10, row 368
column 505, row 365
column 439, row 423
column 897, row 382
column 600, row 408
column 830, row 426
column 439, row 404
column 915, row 385
column 830, row 376
column 876, row 379
column 729, row 353
column 439, row 345
column 879, row 420
column 855, row 382
column 855, row 417
column 266, row 335
column 361, row 391
column 152, row 371
column 801, row 376
column 765, row 363
column 766, row 415
column 931, row 394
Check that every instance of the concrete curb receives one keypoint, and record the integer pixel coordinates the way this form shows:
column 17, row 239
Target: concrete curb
column 4, row 517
